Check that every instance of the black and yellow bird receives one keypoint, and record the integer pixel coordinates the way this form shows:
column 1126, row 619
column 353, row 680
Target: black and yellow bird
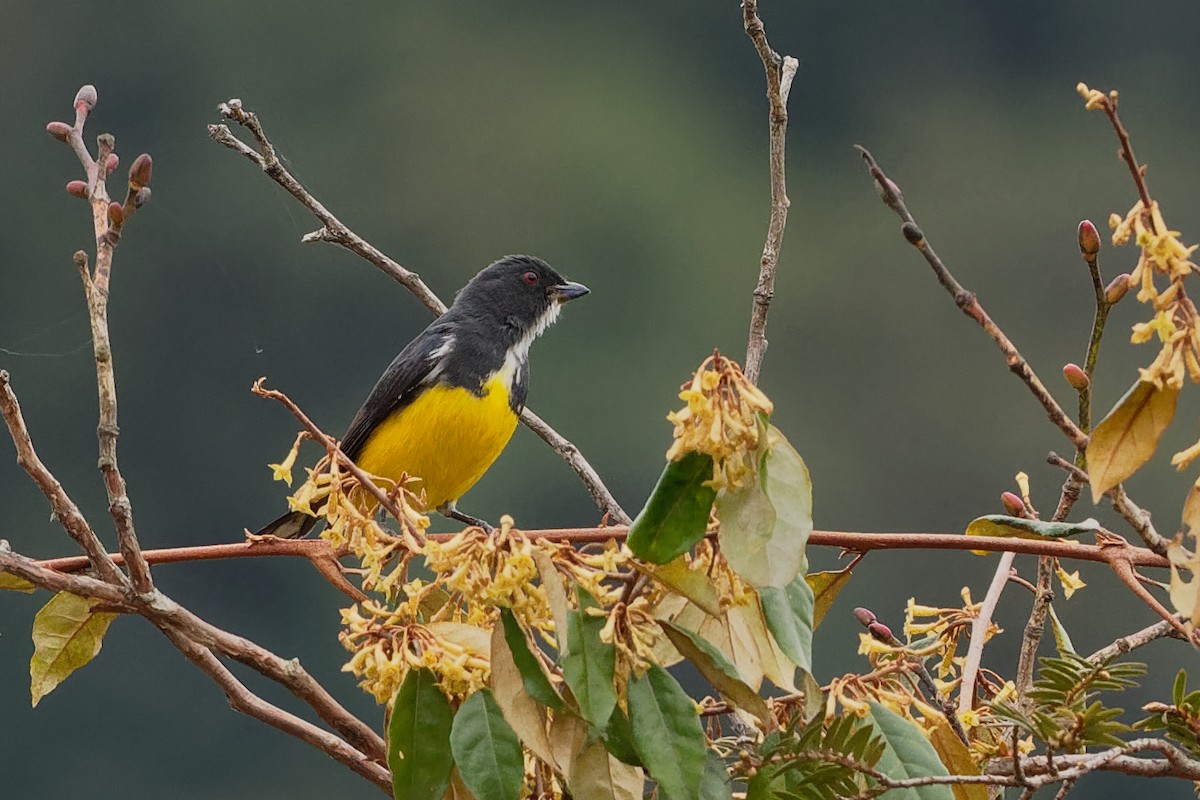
column 448, row 404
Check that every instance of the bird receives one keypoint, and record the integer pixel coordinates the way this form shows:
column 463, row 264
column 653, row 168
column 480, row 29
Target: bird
column 448, row 404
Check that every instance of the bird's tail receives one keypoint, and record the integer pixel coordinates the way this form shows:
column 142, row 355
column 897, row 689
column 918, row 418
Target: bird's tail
column 292, row 525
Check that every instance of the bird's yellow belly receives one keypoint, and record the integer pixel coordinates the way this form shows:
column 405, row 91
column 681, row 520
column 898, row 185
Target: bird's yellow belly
column 447, row 437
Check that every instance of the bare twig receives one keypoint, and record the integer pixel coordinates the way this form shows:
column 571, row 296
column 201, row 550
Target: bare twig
column 243, row 700
column 969, row 304
column 64, row 508
column 1127, row 644
column 1035, row 626
column 1137, row 517
column 979, row 628
column 780, row 73
column 334, row 451
column 107, row 220
column 1130, row 578
column 333, row 230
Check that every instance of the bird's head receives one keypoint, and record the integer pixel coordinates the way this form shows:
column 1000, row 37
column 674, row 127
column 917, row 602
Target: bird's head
column 522, row 293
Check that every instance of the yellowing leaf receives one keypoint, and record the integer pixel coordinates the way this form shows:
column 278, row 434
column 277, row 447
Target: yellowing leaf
column 15, row 583
column 66, row 635
column 526, row 715
column 956, row 758
column 1191, row 510
column 1185, row 595
column 475, row 640
column 693, row 584
column 825, row 586
column 1128, row 436
column 597, row 775
column 556, row 593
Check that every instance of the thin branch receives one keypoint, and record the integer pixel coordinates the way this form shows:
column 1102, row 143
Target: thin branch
column 1099, row 317
column 780, row 72
column 162, row 610
column 1137, row 517
column 1129, row 577
column 1127, row 644
column 243, row 700
column 107, row 222
column 979, row 628
column 333, row 230
column 335, row 451
column 969, row 304
column 1136, row 170
column 63, row 507
column 1035, row 626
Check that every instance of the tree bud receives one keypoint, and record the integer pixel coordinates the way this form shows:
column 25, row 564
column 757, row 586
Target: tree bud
column 116, row 217
column 1076, row 377
column 59, row 130
column 87, row 96
column 110, row 166
column 1014, row 505
column 139, row 199
column 139, row 171
column 864, row 615
column 881, row 632
column 77, row 189
column 1116, row 288
column 1089, row 239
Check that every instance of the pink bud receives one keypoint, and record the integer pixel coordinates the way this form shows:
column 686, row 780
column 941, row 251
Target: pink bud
column 140, row 170
column 59, row 130
column 1014, row 505
column 111, row 165
column 87, row 96
column 116, row 217
column 1089, row 239
column 1076, row 377
column 1116, row 288
column 864, row 615
column 881, row 632
column 77, row 189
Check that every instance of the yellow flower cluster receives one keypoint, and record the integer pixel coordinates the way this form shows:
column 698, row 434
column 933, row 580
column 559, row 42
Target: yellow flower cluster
column 720, row 420
column 491, row 570
column 1175, row 322
column 633, row 630
column 386, row 644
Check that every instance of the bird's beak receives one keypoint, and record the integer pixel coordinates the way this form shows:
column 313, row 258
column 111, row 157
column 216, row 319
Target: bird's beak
column 568, row 291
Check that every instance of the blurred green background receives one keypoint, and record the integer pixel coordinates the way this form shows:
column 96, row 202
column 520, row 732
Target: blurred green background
column 626, row 143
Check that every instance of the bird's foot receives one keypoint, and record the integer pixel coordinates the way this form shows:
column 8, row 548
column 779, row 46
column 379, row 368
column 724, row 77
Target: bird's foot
column 450, row 512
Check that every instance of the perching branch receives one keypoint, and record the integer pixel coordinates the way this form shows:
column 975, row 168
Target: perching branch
column 979, row 627
column 970, row 305
column 779, row 72
column 333, row 230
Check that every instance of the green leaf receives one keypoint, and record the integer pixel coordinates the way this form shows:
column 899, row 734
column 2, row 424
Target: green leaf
column 667, row 734
column 907, row 754
column 67, row 634
column 789, row 613
column 1020, row 528
column 590, row 664
column 15, row 583
column 618, row 738
column 717, row 670
column 676, row 515
column 825, row 586
column 486, row 750
column 765, row 524
column 714, row 785
column 1128, row 436
column 1062, row 639
column 419, row 739
column 1180, row 688
column 535, row 680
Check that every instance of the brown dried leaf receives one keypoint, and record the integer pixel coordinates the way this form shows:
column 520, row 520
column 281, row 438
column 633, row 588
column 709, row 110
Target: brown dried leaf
column 1128, row 436
column 525, row 715
column 957, row 759
column 1185, row 595
column 556, row 592
column 1191, row 510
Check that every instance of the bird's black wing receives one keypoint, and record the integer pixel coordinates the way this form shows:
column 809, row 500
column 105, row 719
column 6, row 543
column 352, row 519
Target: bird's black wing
column 416, row 365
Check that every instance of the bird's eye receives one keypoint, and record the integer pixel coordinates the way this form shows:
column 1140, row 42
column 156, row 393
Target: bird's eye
column 530, row 278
